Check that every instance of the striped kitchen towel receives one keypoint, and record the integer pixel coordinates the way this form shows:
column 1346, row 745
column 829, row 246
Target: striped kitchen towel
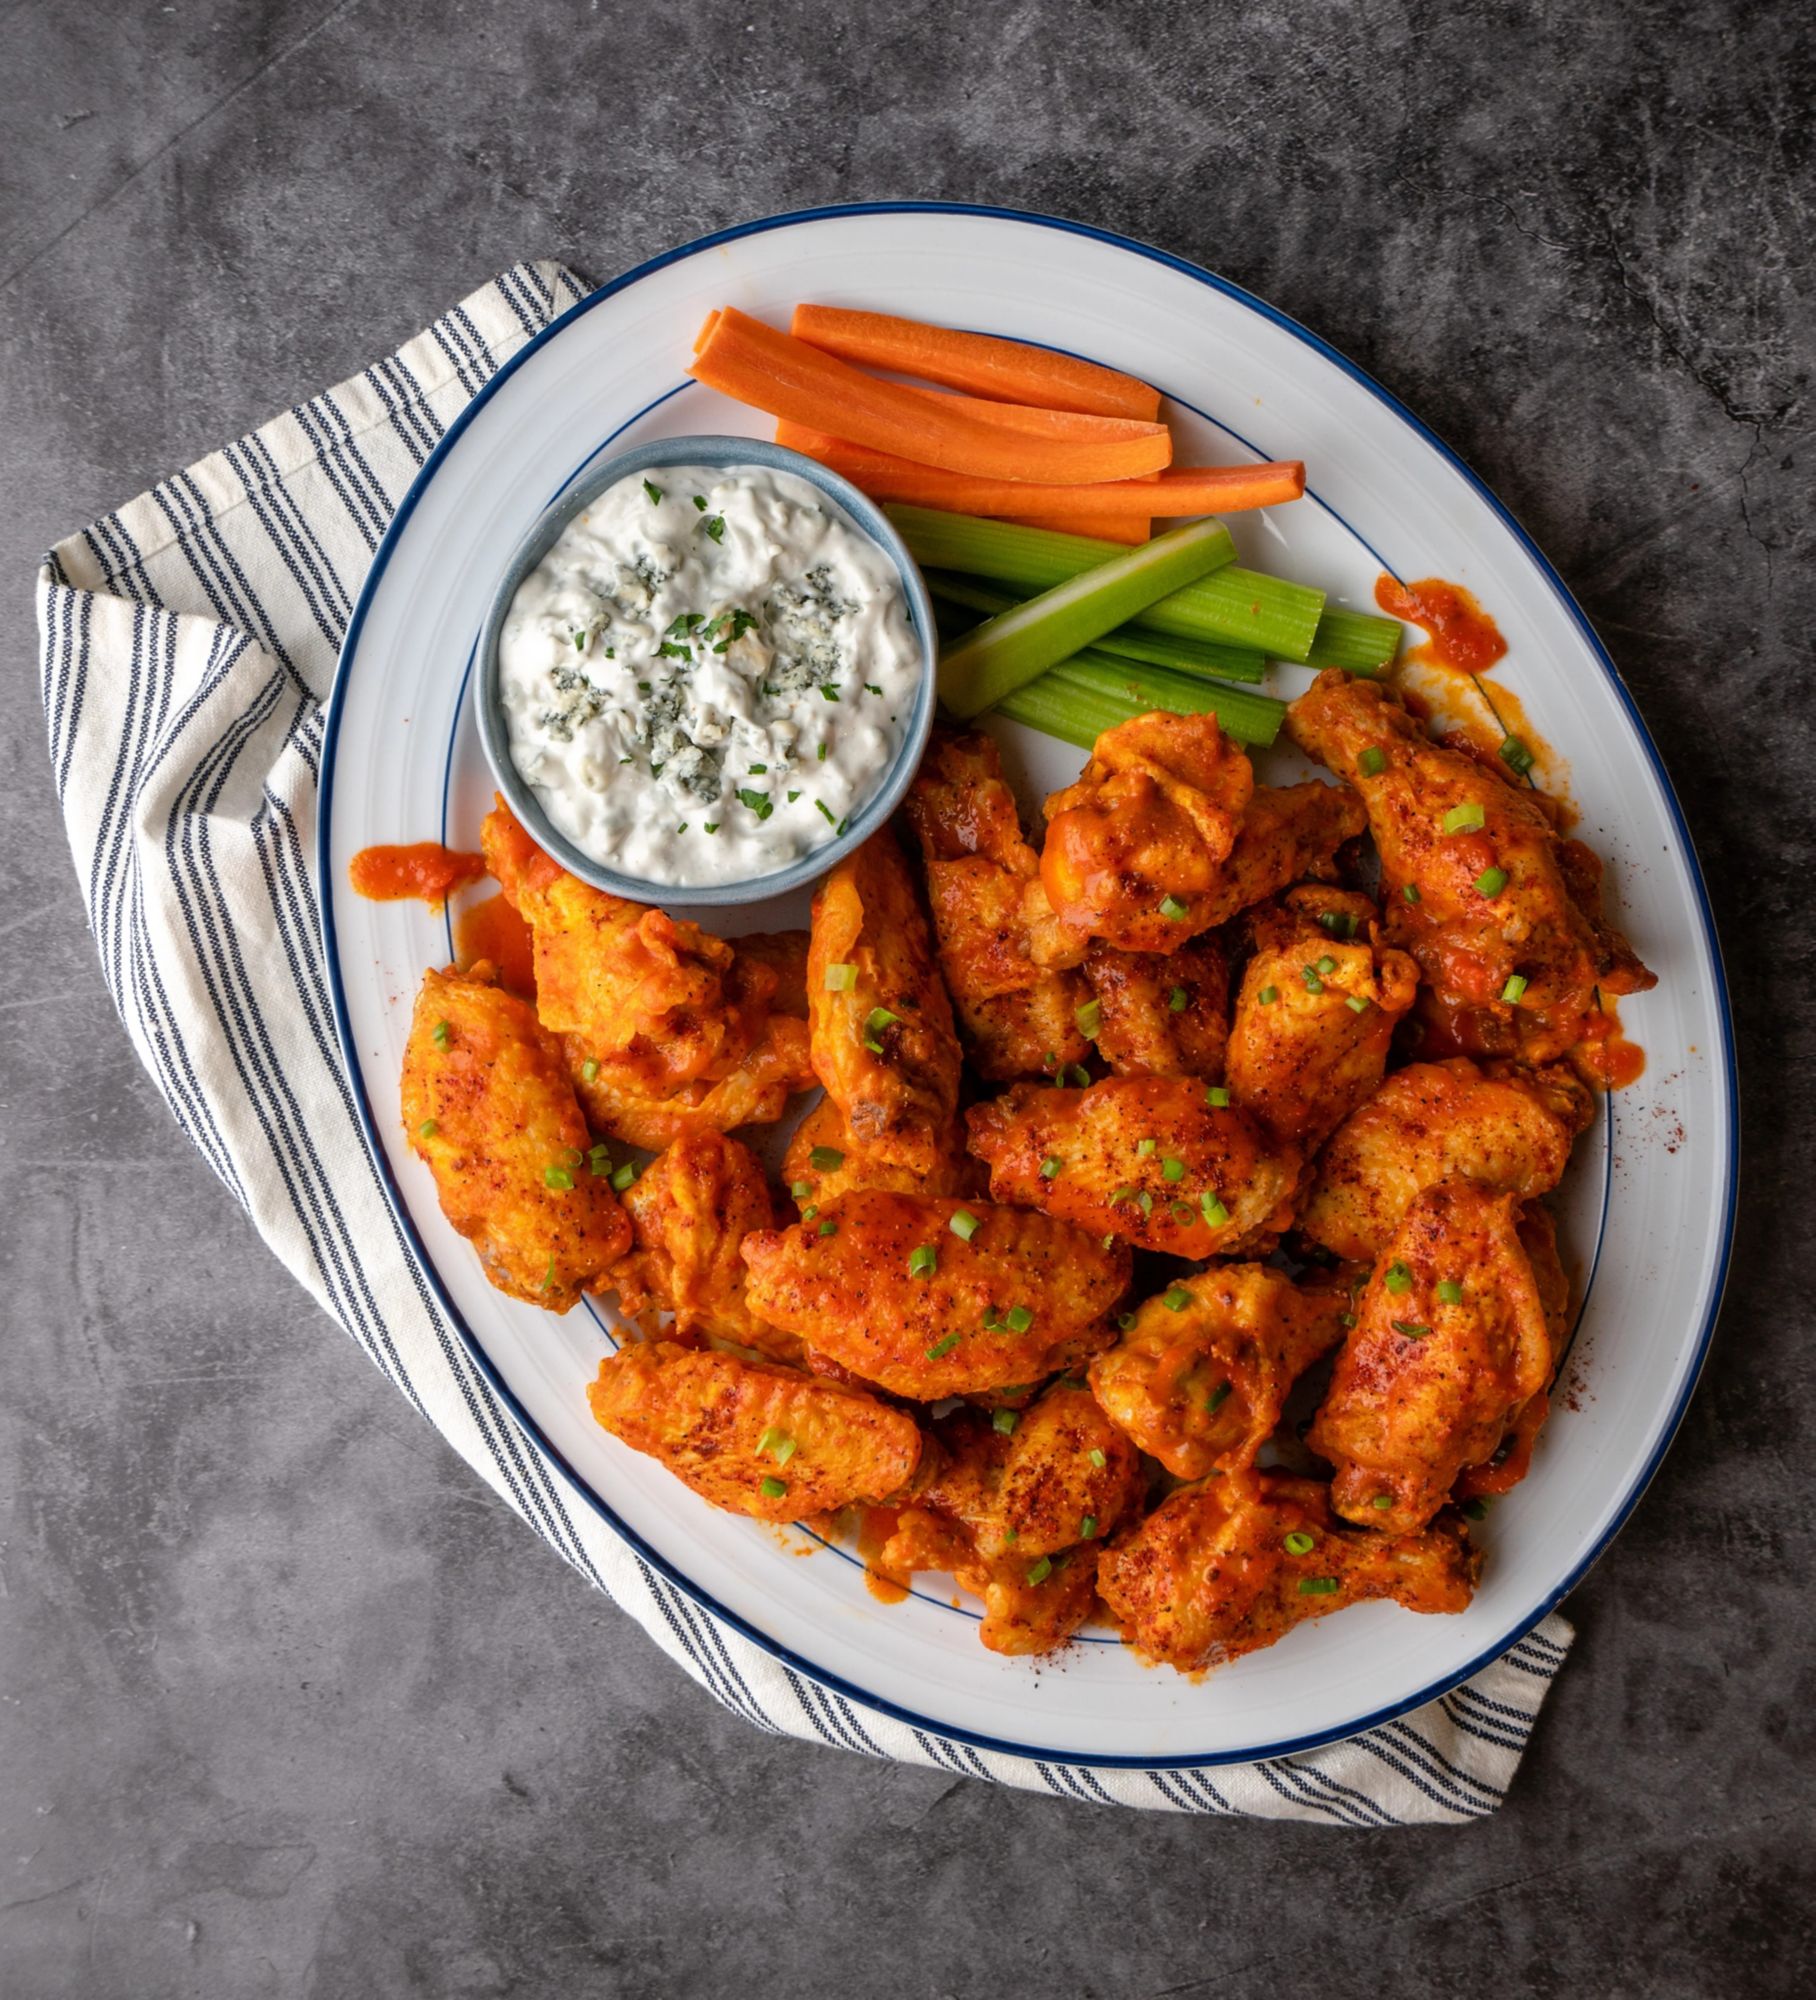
column 188, row 644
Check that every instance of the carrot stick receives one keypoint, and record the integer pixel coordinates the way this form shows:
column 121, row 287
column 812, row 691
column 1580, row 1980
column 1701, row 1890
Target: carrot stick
column 1042, row 423
column 980, row 363
column 1106, row 528
column 1181, row 490
column 756, row 364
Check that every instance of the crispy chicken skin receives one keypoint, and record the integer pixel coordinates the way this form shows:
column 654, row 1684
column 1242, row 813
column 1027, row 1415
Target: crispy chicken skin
column 1208, row 1577
column 784, row 955
column 1023, row 1296
column 756, row 1092
column 883, row 1040
column 824, row 1161
column 1315, row 1015
column 1162, row 1014
column 1513, row 1460
column 1200, row 1378
column 983, row 887
column 721, row 1425
column 1469, row 940
column 1426, row 1384
column 1146, row 1158
column 689, row 1212
column 1135, row 848
column 489, row 1109
column 1507, row 1126
column 1289, row 833
column 1030, row 1607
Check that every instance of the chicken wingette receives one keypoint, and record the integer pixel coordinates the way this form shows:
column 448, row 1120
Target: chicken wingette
column 1475, row 880
column 930, row 1297
column 983, row 887
column 1161, row 1014
column 1507, row 1126
column 1203, row 1369
column 883, row 1041
column 689, row 1212
column 488, row 1107
column 1163, row 1162
column 1228, row 1566
column 824, row 1160
column 1451, row 1343
column 1030, row 1607
column 1135, row 847
column 1315, row 1015
column 1512, row 1460
column 751, row 1437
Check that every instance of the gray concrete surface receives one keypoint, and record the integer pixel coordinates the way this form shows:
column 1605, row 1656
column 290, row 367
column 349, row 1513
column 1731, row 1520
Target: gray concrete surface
column 287, row 1704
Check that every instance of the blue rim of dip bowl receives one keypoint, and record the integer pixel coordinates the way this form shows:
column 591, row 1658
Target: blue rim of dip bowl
column 723, row 454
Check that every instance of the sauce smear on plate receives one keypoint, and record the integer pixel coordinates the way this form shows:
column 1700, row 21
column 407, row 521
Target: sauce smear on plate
column 425, row 871
column 1462, row 633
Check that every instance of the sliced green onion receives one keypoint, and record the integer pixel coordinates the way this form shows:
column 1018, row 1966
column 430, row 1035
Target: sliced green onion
column 1120, row 1195
column 1515, row 755
column 1004, row 1421
column 1465, row 818
column 1476, row 1509
column 992, row 1319
column 964, row 1225
column 841, row 978
column 1089, row 1018
column 439, row 1034
column 653, row 494
column 1450, row 1292
column 1383, row 1501
column 1372, row 762
column 1357, row 1003
column 1176, row 1000
column 1411, row 892
column 428, row 1128
column 589, row 1070
column 829, row 1228
column 1317, row 1586
column 1412, row 1328
column 1173, row 909
column 548, row 1276
column 1313, row 984
column 810, row 1211
column 773, row 1488
column 800, row 1189
column 922, row 1260
column 1299, row 1543
column 1217, row 1097
column 1052, row 1167
column 1213, row 1210
column 1097, row 1458
column 1327, row 964
column 1144, row 1148
column 771, row 1438
column 1172, row 1170
column 1399, row 1278
column 1018, row 646
column 1176, row 1298
column 1268, row 995
column 1515, row 989
column 1087, row 1527
column 880, row 1018
column 1019, row 1319
column 941, row 1347
column 1338, row 922
column 557, row 1177
column 1491, row 881
column 623, row 1176
column 825, row 1159
column 1218, row 1397
column 1041, row 1570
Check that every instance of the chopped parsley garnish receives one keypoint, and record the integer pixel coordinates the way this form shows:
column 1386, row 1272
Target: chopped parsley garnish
column 759, row 802
column 715, row 526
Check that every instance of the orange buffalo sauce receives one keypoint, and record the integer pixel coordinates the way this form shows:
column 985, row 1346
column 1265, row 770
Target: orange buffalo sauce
column 424, row 871
column 1605, row 1056
column 1463, row 636
column 875, row 1526
column 493, row 929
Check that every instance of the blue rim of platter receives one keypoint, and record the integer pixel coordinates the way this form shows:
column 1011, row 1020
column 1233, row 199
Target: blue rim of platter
column 343, row 1029
column 720, row 454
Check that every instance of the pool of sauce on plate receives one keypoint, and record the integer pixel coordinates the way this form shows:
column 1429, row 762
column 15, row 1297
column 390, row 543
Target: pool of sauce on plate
column 1462, row 635
column 424, row 871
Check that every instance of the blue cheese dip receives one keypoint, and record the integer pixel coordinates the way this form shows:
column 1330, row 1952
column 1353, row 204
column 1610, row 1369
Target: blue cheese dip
column 708, row 674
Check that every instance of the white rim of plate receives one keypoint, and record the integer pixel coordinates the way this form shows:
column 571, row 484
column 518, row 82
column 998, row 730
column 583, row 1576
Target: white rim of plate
column 1523, row 1624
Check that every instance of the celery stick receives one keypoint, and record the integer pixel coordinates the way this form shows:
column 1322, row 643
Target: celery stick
column 1186, row 656
column 1356, row 641
column 1240, row 712
column 1263, row 614
column 1062, row 712
column 1017, row 646
column 1077, row 703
